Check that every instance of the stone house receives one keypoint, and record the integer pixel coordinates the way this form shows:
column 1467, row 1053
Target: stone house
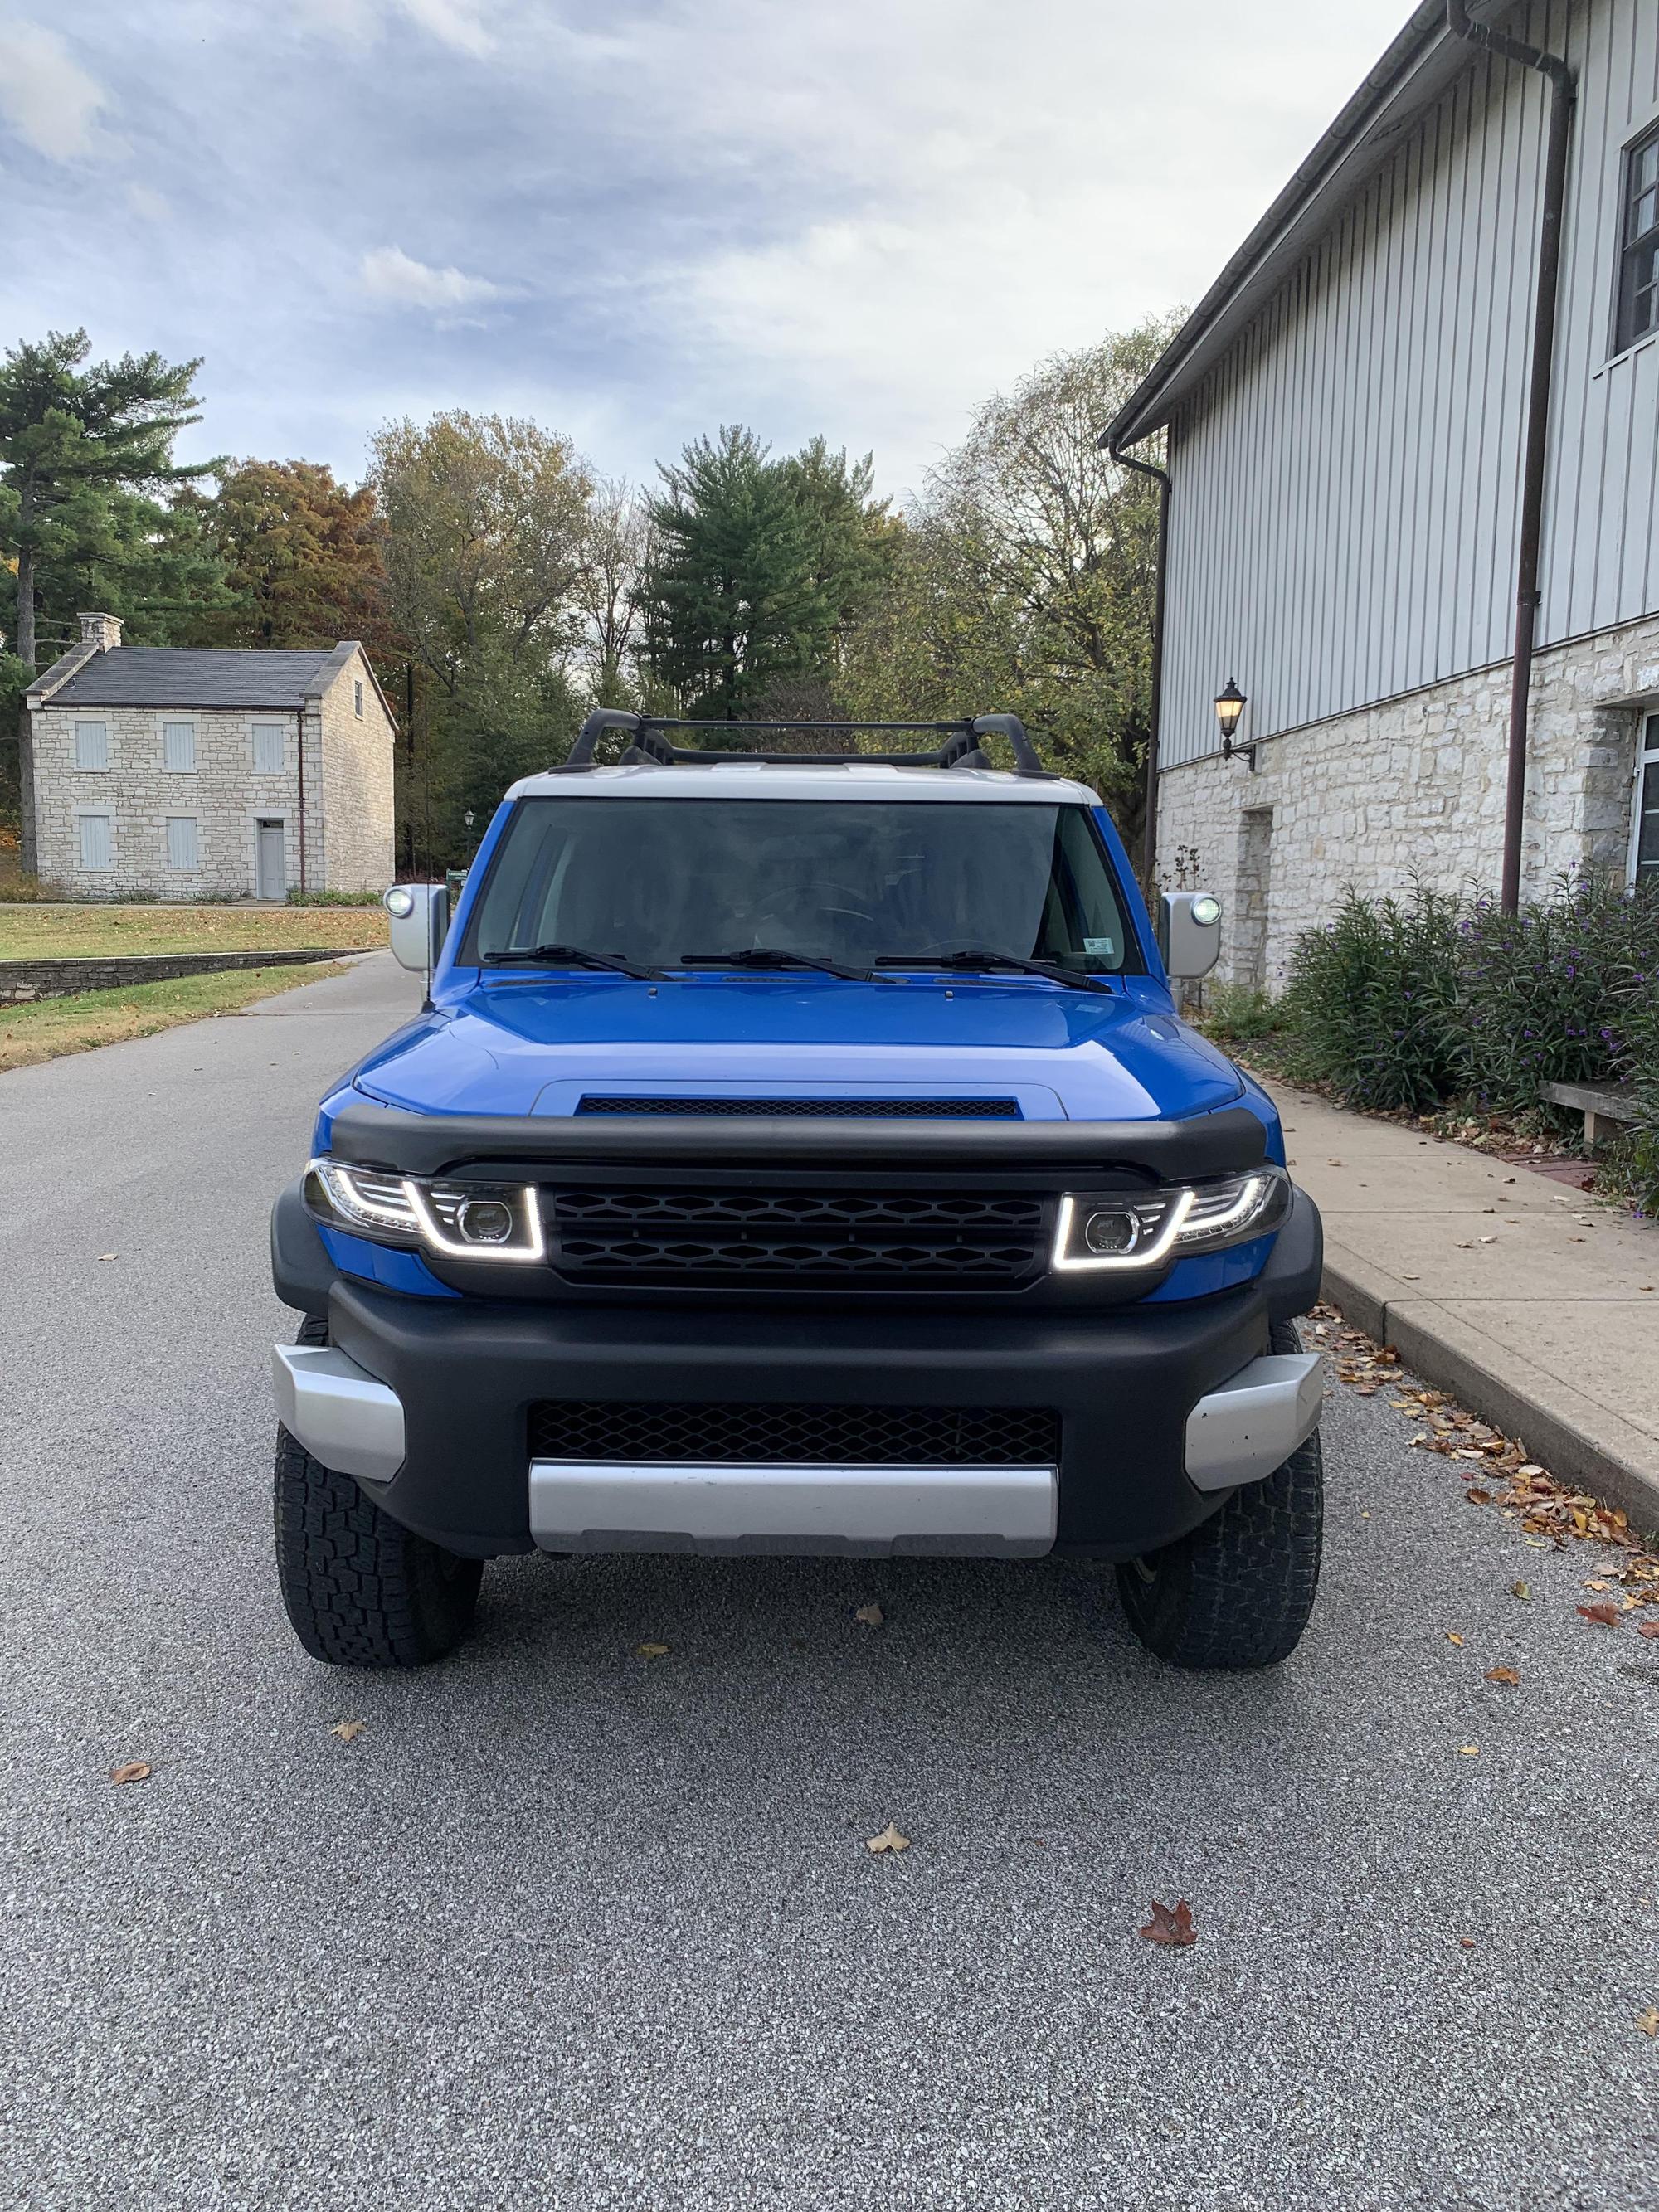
column 189, row 773
column 1396, row 417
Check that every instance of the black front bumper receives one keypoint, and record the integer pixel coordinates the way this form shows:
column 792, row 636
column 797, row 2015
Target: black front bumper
column 1122, row 1381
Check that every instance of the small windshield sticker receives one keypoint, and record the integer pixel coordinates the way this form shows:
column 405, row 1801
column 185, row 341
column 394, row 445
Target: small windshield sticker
column 1105, row 947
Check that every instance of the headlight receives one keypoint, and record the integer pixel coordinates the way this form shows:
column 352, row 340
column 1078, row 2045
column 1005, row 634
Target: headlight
column 460, row 1220
column 1121, row 1229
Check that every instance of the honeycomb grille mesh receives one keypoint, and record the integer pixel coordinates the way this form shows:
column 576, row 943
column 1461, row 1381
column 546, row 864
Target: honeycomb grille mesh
column 845, row 1436
column 889, row 1110
column 827, row 1240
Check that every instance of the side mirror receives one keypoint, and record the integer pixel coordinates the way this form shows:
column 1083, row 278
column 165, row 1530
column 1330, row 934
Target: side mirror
column 1190, row 933
column 420, row 923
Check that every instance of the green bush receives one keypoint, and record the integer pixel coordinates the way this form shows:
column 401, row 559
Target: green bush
column 1642, row 1068
column 1374, row 1001
column 334, row 898
column 1549, row 994
column 1234, row 1014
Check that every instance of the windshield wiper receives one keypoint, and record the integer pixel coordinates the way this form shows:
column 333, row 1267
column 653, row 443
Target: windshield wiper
column 570, row 955
column 763, row 956
column 978, row 957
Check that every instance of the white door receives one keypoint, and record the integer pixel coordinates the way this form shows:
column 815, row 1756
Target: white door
column 273, row 866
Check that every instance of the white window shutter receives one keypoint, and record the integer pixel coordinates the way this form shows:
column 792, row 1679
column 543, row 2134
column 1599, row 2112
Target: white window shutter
column 179, row 745
column 267, row 748
column 92, row 744
column 181, row 841
column 97, row 846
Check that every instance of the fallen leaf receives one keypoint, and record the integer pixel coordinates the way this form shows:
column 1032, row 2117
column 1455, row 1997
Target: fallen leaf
column 1520, row 1590
column 1175, row 1928
column 1479, row 1497
column 1604, row 1616
column 1469, row 1750
column 1595, row 1584
column 871, row 1615
column 1503, row 1675
column 1329, row 1163
column 1452, row 1636
column 1466, row 1942
column 1649, row 1629
column 650, row 1650
column 1648, row 2021
column 889, row 1840
column 134, row 1770
column 347, row 1731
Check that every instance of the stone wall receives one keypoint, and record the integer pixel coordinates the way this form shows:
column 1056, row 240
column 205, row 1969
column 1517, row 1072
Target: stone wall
column 22, row 981
column 1412, row 788
column 357, row 751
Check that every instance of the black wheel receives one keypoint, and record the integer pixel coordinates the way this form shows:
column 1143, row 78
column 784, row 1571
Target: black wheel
column 360, row 1589
column 1237, row 1591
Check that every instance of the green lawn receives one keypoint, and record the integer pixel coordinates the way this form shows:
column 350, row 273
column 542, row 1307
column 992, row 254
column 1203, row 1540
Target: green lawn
column 50, row 1027
column 54, row 933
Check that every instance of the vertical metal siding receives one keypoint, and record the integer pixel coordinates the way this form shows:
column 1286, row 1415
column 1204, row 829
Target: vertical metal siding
column 1348, row 477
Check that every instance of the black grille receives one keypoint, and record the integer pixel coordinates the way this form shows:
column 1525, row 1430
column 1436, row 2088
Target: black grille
column 848, row 1239
column 844, row 1435
column 889, row 1110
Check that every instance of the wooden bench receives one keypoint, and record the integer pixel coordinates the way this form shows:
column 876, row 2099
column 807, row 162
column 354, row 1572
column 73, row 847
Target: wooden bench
column 1599, row 1103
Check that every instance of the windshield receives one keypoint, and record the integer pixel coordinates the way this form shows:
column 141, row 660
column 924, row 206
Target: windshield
column 654, row 880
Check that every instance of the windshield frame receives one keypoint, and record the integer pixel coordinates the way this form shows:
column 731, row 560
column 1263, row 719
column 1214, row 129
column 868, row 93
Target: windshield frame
column 1132, row 960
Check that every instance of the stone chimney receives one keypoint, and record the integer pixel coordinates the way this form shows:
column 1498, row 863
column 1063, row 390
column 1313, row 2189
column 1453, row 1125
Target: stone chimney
column 102, row 630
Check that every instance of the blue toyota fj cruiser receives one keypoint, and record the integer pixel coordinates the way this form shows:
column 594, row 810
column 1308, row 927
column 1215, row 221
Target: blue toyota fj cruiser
column 797, row 1151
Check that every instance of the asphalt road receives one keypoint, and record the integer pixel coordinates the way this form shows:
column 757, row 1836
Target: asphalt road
column 564, row 1927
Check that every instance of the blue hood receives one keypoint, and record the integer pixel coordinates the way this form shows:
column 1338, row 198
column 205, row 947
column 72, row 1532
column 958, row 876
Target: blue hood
column 535, row 1047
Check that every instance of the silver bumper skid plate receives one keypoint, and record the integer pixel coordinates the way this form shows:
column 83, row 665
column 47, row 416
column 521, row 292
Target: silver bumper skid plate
column 1237, row 1433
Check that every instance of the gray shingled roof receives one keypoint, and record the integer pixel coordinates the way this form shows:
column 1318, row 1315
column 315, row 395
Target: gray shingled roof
column 192, row 676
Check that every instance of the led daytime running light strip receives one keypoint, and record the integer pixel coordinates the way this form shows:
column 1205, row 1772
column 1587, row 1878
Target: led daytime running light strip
column 356, row 1209
column 1253, row 1198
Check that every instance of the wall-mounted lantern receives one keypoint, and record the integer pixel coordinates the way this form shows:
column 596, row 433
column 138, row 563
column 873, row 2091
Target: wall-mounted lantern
column 1230, row 706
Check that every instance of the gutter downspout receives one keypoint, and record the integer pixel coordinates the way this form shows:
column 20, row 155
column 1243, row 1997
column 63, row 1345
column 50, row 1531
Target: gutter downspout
column 300, row 759
column 1149, row 826
column 1563, row 92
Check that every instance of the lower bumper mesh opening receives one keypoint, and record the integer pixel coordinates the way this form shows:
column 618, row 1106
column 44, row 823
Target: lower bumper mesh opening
column 847, row 1436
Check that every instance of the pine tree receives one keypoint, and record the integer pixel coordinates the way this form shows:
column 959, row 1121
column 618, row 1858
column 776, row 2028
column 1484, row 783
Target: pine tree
column 84, row 454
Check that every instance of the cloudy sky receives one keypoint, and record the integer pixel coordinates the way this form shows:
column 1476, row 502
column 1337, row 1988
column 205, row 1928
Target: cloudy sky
column 638, row 219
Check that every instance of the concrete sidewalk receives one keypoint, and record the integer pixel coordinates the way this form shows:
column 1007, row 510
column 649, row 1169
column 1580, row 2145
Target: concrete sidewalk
column 1534, row 1306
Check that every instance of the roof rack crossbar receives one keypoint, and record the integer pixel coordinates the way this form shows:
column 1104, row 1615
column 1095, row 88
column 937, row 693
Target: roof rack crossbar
column 648, row 746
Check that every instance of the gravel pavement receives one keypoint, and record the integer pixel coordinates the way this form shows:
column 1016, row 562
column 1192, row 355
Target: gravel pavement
column 564, row 1927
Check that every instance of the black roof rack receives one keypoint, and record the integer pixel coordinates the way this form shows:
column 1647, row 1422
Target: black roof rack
column 648, row 746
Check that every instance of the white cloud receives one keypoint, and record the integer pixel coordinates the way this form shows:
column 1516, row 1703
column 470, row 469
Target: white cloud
column 396, row 277
column 48, row 98
column 147, row 204
column 457, row 24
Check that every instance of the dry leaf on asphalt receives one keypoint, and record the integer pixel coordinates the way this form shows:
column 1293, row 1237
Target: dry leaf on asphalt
column 1452, row 1636
column 1503, row 1675
column 1175, row 1928
column 889, row 1840
column 650, row 1650
column 1597, row 1584
column 1466, row 1942
column 1469, row 1750
column 1479, row 1497
column 347, row 1731
column 1520, row 1590
column 1648, row 1628
column 871, row 1615
column 1648, row 2021
column 1604, row 1616
column 134, row 1770
column 109, row 1255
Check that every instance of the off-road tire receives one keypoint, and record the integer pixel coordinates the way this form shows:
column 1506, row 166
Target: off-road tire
column 359, row 1589
column 1236, row 1592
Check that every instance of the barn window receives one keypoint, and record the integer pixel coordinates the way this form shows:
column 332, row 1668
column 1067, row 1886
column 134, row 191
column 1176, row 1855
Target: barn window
column 1638, row 259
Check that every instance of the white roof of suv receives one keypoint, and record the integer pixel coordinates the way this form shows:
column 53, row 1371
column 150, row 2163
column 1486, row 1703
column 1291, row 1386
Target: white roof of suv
column 834, row 779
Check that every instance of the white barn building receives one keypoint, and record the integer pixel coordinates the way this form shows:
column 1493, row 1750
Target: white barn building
column 1347, row 413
